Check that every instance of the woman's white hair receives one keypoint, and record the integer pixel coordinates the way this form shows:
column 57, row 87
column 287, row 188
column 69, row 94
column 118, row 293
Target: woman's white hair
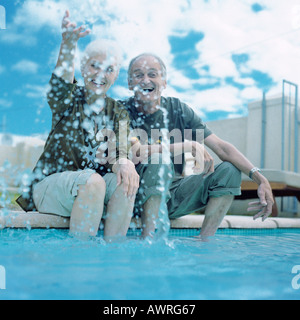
column 102, row 46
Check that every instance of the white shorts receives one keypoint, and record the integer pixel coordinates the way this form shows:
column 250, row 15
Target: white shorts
column 56, row 193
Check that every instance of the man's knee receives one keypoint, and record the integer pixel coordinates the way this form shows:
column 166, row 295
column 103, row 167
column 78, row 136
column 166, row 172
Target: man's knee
column 158, row 158
column 157, row 167
column 231, row 173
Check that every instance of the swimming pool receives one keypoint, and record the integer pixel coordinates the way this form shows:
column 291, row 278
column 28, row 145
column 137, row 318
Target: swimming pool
column 235, row 264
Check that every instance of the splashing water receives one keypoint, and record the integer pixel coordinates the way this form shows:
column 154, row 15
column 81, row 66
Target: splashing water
column 163, row 222
column 88, row 13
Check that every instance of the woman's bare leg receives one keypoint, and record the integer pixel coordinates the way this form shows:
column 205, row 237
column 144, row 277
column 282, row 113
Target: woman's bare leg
column 118, row 215
column 88, row 207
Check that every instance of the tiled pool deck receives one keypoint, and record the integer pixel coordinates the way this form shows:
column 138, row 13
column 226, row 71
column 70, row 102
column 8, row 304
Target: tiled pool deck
column 19, row 219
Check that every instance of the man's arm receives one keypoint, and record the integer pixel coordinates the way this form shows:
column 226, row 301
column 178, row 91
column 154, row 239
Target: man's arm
column 203, row 161
column 70, row 35
column 227, row 152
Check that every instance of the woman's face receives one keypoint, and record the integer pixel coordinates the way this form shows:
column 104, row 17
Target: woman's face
column 99, row 74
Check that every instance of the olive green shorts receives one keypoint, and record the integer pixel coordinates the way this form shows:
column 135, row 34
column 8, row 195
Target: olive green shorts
column 191, row 193
column 56, row 193
column 185, row 195
column 155, row 177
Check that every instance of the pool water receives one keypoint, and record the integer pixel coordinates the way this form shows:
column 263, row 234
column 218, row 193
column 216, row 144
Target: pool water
column 235, row 264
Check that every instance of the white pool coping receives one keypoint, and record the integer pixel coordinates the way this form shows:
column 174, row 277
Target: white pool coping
column 21, row 219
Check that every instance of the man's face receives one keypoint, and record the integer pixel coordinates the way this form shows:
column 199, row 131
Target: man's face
column 99, row 74
column 145, row 79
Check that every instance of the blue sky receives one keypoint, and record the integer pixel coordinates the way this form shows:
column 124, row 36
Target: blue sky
column 220, row 55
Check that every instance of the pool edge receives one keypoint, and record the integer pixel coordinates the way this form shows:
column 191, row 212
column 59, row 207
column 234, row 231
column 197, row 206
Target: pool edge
column 21, row 219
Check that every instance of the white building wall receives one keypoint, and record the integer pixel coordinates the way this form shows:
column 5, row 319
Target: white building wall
column 231, row 130
column 20, row 156
column 246, row 134
column 273, row 131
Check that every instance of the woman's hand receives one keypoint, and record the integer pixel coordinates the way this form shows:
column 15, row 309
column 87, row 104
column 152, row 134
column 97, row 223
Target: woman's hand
column 69, row 31
column 65, row 67
column 127, row 176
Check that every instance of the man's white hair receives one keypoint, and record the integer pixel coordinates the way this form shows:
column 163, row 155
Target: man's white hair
column 102, row 46
column 145, row 54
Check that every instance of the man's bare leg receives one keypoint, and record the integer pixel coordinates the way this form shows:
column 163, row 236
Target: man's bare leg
column 150, row 215
column 88, row 208
column 215, row 211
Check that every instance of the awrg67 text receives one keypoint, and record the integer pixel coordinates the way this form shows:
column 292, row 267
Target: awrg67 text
column 171, row 309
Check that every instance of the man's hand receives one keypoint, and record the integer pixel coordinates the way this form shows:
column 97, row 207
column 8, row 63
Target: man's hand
column 127, row 175
column 69, row 31
column 204, row 163
column 265, row 203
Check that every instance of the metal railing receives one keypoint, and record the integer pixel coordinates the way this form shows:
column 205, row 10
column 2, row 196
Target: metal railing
column 289, row 137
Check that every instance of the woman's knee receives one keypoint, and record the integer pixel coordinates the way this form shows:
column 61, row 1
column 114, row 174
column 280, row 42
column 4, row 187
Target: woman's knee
column 95, row 184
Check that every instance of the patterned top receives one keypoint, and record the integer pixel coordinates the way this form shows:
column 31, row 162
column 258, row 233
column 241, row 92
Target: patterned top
column 80, row 136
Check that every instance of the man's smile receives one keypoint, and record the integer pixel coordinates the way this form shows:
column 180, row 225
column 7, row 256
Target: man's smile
column 98, row 82
column 147, row 90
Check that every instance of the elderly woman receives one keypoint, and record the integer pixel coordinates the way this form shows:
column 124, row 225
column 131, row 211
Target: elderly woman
column 83, row 170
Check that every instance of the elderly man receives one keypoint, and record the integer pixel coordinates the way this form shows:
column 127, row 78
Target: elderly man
column 214, row 188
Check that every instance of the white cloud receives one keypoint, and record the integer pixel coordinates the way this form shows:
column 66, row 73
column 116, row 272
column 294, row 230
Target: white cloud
column 176, row 78
column 225, row 98
column 36, row 14
column 269, row 37
column 26, row 66
column 36, row 91
column 230, row 27
column 5, row 103
column 251, row 93
column 245, row 81
column 120, row 92
column 13, row 35
column 30, row 17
